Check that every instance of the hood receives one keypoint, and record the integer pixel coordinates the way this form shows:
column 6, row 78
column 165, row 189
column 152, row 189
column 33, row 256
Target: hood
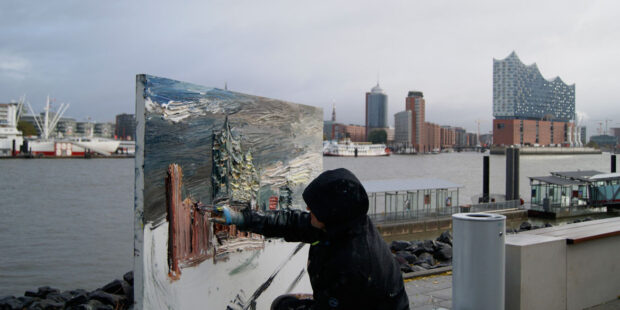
column 336, row 197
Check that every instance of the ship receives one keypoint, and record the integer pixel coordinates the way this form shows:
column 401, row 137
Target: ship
column 354, row 149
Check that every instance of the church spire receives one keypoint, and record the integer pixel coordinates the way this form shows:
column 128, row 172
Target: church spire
column 334, row 111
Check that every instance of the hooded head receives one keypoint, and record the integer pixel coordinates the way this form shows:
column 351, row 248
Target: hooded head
column 336, row 196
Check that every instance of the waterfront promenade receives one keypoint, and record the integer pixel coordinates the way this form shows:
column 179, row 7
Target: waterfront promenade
column 435, row 292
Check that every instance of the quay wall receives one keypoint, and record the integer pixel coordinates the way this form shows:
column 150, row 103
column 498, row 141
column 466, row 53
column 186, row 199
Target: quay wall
column 438, row 224
column 500, row 150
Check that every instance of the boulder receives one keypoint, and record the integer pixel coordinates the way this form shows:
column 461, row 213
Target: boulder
column 94, row 305
column 41, row 292
column 128, row 291
column 26, row 300
column 117, row 301
column 10, row 303
column 396, row 246
column 59, row 297
column 47, row 304
column 410, row 258
column 548, row 225
column 415, row 245
column 587, row 219
column 425, row 258
column 114, row 287
column 525, row 226
column 128, row 277
column 406, row 268
column 417, row 268
column 443, row 252
column 425, row 266
column 400, row 260
column 576, row 221
column 423, row 246
column 80, row 298
column 445, row 237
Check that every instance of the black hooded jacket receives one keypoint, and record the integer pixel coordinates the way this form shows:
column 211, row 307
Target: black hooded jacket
column 349, row 264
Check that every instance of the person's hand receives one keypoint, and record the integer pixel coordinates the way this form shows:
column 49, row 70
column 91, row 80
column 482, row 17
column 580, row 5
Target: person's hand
column 225, row 215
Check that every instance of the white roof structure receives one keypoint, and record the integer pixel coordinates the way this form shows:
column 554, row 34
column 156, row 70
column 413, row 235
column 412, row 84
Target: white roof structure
column 402, row 185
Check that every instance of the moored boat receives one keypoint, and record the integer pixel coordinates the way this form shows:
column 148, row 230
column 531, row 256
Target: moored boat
column 353, row 149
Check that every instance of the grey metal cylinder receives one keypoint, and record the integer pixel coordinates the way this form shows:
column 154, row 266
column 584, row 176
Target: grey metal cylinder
column 478, row 261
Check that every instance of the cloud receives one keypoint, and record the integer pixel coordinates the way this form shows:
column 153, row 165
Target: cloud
column 13, row 66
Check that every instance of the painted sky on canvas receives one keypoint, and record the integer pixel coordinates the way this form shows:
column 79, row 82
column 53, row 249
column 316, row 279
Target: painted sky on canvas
column 283, row 138
column 87, row 53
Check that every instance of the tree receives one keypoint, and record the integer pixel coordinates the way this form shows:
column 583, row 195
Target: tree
column 26, row 128
column 592, row 144
column 378, row 136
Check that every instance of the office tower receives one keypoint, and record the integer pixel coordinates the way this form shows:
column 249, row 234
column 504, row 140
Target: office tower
column 376, row 110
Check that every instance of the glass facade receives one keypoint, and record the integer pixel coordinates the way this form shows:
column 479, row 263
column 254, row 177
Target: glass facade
column 376, row 106
column 521, row 92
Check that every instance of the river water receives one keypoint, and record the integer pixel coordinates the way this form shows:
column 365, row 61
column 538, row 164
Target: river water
column 68, row 223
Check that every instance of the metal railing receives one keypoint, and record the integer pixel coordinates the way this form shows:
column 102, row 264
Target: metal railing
column 404, row 215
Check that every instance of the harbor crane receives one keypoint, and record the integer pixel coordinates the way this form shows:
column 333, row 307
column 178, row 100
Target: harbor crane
column 600, row 126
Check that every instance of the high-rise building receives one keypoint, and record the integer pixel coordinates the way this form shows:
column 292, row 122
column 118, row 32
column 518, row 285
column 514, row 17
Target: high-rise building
column 402, row 128
column 584, row 137
column 529, row 109
column 376, row 110
column 416, row 104
column 125, row 127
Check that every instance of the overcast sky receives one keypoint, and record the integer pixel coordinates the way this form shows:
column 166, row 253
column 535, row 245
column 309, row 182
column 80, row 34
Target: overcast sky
column 87, row 53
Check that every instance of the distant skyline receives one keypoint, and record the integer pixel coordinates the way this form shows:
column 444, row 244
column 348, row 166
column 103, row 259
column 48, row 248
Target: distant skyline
column 88, row 53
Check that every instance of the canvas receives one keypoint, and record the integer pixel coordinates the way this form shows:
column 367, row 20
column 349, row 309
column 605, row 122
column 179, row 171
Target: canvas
column 198, row 147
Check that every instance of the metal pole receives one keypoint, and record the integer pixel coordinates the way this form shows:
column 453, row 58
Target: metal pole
column 485, row 179
column 613, row 163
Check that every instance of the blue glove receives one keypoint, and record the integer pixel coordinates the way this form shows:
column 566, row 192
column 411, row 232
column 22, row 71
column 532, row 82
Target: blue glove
column 227, row 216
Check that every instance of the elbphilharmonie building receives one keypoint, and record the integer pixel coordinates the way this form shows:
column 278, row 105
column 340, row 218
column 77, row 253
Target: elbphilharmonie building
column 529, row 109
column 521, row 92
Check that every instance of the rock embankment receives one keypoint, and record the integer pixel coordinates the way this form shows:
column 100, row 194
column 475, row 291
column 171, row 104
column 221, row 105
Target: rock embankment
column 115, row 295
column 414, row 256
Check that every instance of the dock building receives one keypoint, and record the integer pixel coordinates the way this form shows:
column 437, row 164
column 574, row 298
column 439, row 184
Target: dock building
column 529, row 109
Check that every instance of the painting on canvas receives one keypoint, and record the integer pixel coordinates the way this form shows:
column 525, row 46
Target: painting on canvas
column 198, row 147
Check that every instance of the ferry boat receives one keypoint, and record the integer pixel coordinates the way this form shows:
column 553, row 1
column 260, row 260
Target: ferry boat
column 354, row 149
column 74, row 147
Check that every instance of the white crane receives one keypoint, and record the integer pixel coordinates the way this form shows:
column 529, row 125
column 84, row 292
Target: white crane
column 45, row 125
